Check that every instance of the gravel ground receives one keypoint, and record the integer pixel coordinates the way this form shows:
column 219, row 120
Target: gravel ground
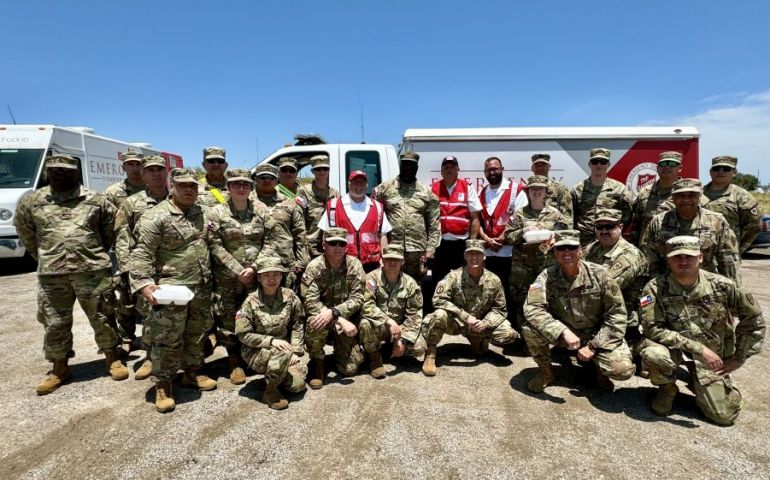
column 474, row 420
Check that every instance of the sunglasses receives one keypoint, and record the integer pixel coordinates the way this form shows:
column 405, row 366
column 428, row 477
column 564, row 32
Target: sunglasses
column 605, row 226
column 239, row 185
column 562, row 248
column 215, row 160
column 599, row 161
column 321, row 169
column 722, row 168
column 668, row 163
column 287, row 170
column 337, row 243
column 266, row 177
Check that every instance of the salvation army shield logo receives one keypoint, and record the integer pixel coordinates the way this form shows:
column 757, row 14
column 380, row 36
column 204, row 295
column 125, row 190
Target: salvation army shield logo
column 641, row 175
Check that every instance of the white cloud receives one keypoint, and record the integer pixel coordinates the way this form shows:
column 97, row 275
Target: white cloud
column 740, row 128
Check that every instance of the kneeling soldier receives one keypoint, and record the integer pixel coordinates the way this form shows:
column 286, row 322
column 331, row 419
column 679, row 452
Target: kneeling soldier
column 392, row 311
column 271, row 328
column 468, row 301
column 688, row 311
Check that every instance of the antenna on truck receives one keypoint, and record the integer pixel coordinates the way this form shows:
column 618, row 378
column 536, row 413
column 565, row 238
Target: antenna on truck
column 11, row 113
column 361, row 109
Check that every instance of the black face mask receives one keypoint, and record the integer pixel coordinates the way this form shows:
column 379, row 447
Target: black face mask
column 408, row 172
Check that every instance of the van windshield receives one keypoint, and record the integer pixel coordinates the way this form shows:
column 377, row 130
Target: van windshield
column 18, row 167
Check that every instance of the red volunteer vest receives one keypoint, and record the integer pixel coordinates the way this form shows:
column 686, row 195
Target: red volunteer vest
column 493, row 225
column 363, row 243
column 455, row 217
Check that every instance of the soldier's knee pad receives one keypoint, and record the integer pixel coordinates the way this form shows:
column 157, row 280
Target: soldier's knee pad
column 657, row 357
column 621, row 370
column 720, row 403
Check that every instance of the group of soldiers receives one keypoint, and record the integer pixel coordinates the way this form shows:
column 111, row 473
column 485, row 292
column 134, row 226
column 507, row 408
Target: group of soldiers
column 278, row 269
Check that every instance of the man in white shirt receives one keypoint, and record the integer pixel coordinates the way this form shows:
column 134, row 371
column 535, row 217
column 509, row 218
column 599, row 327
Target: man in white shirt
column 363, row 218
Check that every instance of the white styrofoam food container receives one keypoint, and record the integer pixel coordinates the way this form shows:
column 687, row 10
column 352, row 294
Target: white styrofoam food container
column 537, row 236
column 173, row 294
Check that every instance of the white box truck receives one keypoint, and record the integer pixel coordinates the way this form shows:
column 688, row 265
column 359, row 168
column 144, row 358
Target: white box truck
column 634, row 153
column 22, row 150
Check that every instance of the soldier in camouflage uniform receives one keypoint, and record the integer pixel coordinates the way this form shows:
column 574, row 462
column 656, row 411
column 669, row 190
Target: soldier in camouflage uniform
column 238, row 232
column 656, row 198
column 172, row 249
column 287, row 177
column 288, row 227
column 212, row 187
column 739, row 207
column 469, row 301
column 689, row 311
column 333, row 291
column 624, row 262
column 271, row 328
column 558, row 194
column 312, row 200
column 117, row 193
column 578, row 305
column 598, row 191
column 69, row 229
column 413, row 212
column 392, row 311
column 718, row 243
column 529, row 259
column 126, row 222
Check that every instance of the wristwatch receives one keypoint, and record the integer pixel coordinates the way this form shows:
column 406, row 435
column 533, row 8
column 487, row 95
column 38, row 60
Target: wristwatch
column 335, row 313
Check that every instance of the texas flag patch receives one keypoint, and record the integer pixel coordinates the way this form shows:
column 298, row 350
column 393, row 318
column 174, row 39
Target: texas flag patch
column 300, row 201
column 535, row 286
column 645, row 300
column 371, row 285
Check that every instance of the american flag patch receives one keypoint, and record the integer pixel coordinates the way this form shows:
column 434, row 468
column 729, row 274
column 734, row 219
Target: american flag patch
column 372, row 285
column 535, row 286
column 645, row 300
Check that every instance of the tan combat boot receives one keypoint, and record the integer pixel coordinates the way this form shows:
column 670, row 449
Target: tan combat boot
column 144, row 371
column 197, row 380
column 663, row 403
column 58, row 376
column 116, row 367
column 543, row 378
column 273, row 397
column 316, row 374
column 479, row 345
column 164, row 397
column 429, row 364
column 237, row 375
column 376, row 368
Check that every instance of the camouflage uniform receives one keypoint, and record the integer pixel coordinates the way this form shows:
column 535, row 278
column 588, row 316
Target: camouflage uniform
column 289, row 235
column 588, row 198
column 283, row 189
column 343, row 290
column 413, row 212
column 262, row 319
column 529, row 259
column 401, row 302
column 718, row 243
column 172, row 249
column 590, row 305
column 69, row 234
column 212, row 194
column 313, row 206
column 560, row 198
column 678, row 319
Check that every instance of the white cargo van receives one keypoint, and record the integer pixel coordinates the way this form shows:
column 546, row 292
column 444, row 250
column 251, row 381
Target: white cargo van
column 635, row 153
column 22, row 150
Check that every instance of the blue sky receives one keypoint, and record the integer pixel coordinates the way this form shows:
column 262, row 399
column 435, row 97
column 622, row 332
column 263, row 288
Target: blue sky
column 185, row 74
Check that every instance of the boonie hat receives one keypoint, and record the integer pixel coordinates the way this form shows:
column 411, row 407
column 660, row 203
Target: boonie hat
column 336, row 233
column 184, row 175
column 537, row 181
column 269, row 264
column 541, row 158
column 409, row 157
column 670, row 157
column 319, row 161
column 608, row 215
column 238, row 175
column 599, row 153
column 724, row 161
column 683, row 245
column 687, row 185
column 392, row 250
column 566, row 237
column 356, row 174
column 266, row 169
column 474, row 245
column 213, row 152
column 61, row 161
column 153, row 161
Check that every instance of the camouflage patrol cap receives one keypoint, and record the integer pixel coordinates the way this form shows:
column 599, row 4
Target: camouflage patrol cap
column 724, row 161
column 287, row 162
column 131, row 156
column 409, row 157
column 474, row 246
column 687, row 185
column 238, row 175
column 392, row 250
column 266, row 169
column 153, row 161
column 683, row 245
column 269, row 263
column 567, row 237
column 541, row 158
column 184, row 175
column 336, row 234
column 537, row 181
column 213, row 152
column 61, row 161
column 319, row 161
column 670, row 157
column 608, row 215
column 599, row 153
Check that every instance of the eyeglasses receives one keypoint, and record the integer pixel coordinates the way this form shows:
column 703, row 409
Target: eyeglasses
column 215, row 160
column 668, row 163
column 266, row 177
column 721, row 168
column 605, row 226
column 562, row 248
column 321, row 169
column 287, row 170
column 599, row 161
column 239, row 185
column 337, row 243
